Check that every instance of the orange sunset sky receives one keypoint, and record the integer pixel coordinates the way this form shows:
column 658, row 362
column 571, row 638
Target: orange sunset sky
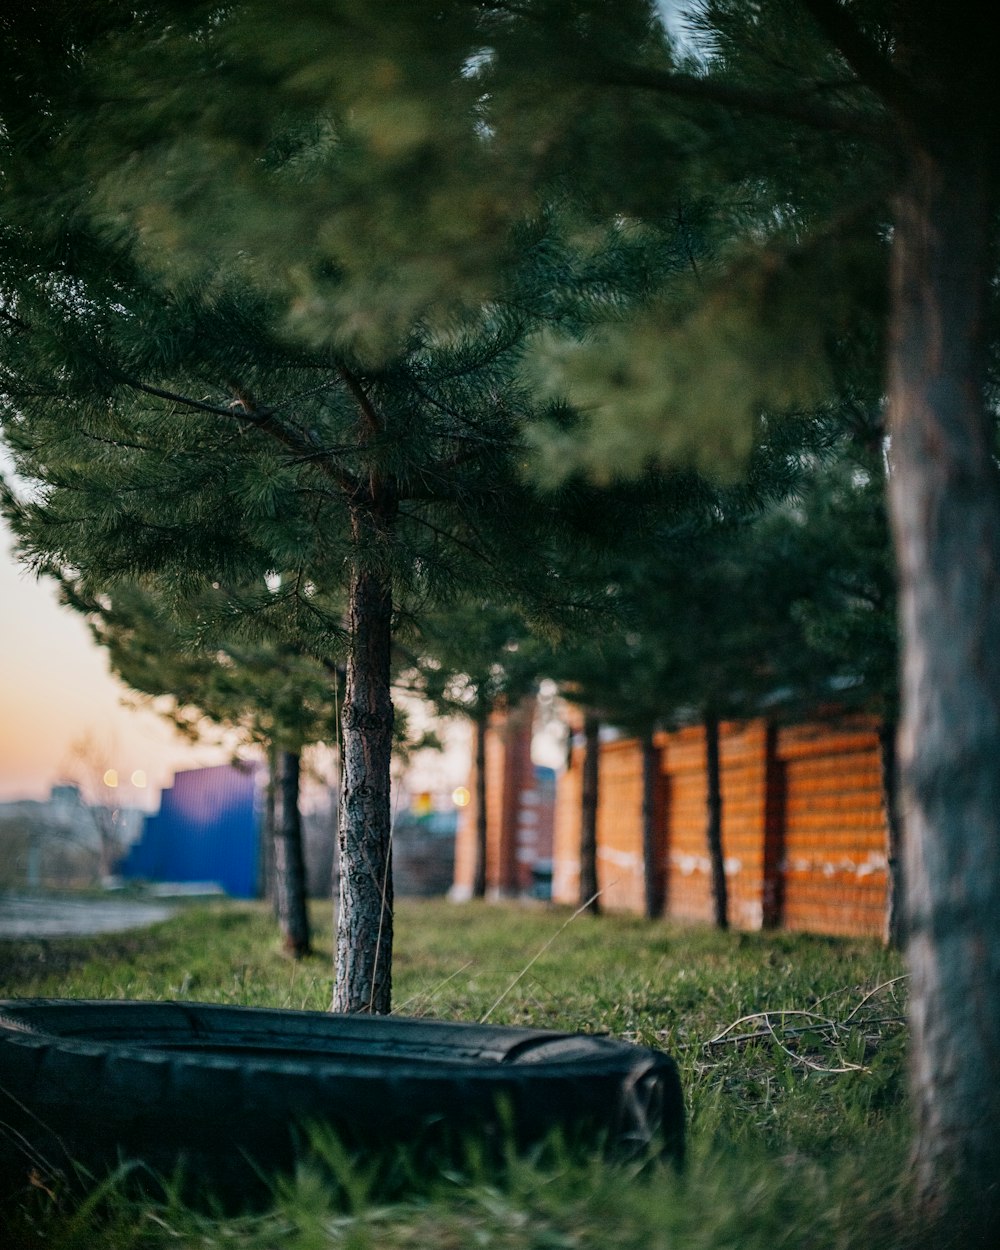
column 55, row 688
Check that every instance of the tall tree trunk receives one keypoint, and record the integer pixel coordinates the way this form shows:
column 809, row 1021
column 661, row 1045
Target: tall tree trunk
column 651, row 874
column 267, row 854
column 479, row 877
column 944, row 493
column 588, row 812
column 895, row 928
column 713, row 824
column 364, row 914
column 289, row 862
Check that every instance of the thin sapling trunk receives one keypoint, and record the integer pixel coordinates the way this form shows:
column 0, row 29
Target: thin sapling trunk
column 713, row 825
column 650, row 844
column 363, row 976
column 479, row 877
column 289, row 861
column 588, row 812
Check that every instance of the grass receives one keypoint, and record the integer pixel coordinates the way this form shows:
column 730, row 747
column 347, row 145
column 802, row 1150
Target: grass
column 797, row 1122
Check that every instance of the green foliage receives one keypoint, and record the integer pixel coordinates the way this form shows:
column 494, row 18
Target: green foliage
column 381, row 175
column 473, row 657
column 250, row 471
column 151, row 475
column 835, row 544
column 708, row 601
column 274, row 692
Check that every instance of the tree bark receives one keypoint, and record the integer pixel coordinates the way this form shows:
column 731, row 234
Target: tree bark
column 944, row 494
column 364, row 915
column 479, row 877
column 267, row 850
column 289, row 862
column 713, row 823
column 588, row 813
column 651, row 869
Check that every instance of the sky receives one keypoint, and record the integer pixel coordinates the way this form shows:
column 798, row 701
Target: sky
column 56, row 689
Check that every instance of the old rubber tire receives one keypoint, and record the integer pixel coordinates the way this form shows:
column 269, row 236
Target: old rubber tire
column 225, row 1091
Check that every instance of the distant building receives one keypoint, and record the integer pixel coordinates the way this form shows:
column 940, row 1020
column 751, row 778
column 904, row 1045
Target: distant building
column 66, row 797
column 58, row 840
column 423, row 852
column 207, row 831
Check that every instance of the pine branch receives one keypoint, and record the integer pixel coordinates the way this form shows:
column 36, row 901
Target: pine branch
column 871, row 67
column 329, row 385
column 455, row 415
column 782, row 104
column 502, row 342
column 477, row 553
column 11, row 319
column 373, row 418
column 123, row 443
column 185, row 400
column 455, row 461
column 686, row 244
column 245, row 410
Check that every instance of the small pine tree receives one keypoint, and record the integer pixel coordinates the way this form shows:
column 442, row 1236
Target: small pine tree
column 474, row 657
column 187, row 440
column 270, row 692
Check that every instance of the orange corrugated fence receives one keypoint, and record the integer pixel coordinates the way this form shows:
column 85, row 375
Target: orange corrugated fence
column 803, row 827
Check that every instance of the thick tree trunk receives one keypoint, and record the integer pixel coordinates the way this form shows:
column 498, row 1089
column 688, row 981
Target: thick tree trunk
column 895, row 928
column 588, row 813
column 364, row 914
column 479, row 877
column 289, row 862
column 651, row 869
column 944, row 494
column 713, row 823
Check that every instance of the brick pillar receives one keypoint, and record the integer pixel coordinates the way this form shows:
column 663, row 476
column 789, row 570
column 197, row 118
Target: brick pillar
column 566, row 833
column 465, row 846
column 509, row 773
column 517, row 777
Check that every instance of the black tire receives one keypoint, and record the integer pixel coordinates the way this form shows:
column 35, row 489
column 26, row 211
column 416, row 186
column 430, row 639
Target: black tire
column 218, row 1089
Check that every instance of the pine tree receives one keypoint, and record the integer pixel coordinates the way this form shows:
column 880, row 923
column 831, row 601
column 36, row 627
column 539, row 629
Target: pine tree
column 703, row 628
column 896, row 113
column 174, row 432
column 473, row 658
column 210, row 437
column 837, row 542
column 270, row 692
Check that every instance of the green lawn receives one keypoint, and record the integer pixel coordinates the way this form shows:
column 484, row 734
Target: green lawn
column 797, row 1118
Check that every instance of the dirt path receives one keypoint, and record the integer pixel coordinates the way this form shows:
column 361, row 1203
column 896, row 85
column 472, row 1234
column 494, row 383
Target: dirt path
column 22, row 916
